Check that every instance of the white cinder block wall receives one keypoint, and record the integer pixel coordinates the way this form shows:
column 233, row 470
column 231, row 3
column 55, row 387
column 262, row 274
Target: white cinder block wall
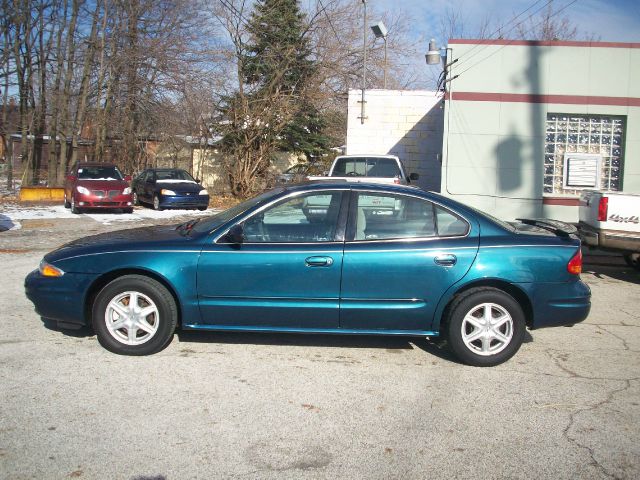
column 405, row 123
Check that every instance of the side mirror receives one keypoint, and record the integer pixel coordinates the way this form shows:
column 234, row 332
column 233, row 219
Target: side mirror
column 71, row 178
column 198, row 180
column 235, row 235
column 414, row 176
column 127, row 178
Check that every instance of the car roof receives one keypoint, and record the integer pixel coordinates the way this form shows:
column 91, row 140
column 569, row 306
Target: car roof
column 346, row 184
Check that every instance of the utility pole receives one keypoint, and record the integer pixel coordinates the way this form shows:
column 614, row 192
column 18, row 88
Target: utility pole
column 364, row 61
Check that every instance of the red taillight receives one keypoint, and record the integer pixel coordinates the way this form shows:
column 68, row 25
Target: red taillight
column 603, row 209
column 575, row 264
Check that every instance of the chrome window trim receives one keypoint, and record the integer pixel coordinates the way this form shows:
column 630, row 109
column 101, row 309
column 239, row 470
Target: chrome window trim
column 411, row 239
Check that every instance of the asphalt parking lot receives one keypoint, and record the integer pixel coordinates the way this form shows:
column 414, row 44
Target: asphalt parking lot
column 300, row 406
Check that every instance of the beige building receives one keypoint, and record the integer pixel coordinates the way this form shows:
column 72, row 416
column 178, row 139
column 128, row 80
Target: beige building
column 528, row 125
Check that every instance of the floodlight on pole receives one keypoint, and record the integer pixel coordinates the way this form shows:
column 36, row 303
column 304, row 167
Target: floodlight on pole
column 433, row 55
column 380, row 31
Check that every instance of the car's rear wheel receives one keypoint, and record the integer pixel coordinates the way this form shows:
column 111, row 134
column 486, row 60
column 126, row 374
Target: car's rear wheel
column 136, row 200
column 156, row 203
column 74, row 208
column 202, row 209
column 485, row 327
column 134, row 315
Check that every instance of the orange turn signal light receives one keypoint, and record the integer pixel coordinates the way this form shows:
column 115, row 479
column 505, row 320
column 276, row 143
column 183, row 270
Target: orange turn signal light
column 48, row 270
column 575, row 264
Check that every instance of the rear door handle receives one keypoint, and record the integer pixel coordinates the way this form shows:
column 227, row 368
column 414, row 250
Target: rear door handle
column 446, row 260
column 318, row 261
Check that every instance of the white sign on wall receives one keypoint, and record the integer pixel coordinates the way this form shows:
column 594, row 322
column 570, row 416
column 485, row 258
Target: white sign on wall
column 581, row 171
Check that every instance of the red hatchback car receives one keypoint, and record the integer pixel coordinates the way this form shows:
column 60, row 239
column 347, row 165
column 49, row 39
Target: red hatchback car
column 97, row 185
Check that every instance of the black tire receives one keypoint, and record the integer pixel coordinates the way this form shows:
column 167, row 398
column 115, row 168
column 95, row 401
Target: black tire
column 202, row 209
column 484, row 351
column 156, row 203
column 127, row 210
column 150, row 295
column 74, row 208
column 136, row 200
column 633, row 260
column 66, row 202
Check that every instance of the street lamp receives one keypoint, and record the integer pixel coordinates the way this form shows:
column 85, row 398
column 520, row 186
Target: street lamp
column 380, row 31
column 433, row 55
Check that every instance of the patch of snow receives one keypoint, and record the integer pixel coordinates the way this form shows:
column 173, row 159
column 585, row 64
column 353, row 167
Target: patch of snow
column 12, row 213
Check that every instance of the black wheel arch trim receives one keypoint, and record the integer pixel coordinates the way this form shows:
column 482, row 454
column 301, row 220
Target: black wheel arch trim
column 509, row 288
column 104, row 279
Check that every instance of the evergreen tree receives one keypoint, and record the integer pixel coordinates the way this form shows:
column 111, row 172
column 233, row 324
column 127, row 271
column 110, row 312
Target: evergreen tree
column 279, row 57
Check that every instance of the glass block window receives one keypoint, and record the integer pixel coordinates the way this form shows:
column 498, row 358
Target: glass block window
column 583, row 134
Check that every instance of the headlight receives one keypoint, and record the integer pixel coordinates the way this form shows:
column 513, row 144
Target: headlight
column 164, row 191
column 48, row 270
column 126, row 191
column 83, row 190
column 203, row 192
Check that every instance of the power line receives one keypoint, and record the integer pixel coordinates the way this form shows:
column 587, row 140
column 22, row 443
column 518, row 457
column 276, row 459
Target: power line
column 500, row 29
column 509, row 42
column 324, row 10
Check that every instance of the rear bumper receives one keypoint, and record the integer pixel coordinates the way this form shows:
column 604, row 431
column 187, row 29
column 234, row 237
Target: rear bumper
column 609, row 239
column 59, row 298
column 558, row 304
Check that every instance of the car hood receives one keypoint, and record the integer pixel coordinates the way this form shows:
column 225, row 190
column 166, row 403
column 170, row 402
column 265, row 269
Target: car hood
column 102, row 184
column 180, row 186
column 145, row 238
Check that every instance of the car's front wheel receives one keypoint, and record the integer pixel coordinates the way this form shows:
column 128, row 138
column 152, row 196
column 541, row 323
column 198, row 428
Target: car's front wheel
column 134, row 315
column 485, row 327
column 156, row 203
column 74, row 208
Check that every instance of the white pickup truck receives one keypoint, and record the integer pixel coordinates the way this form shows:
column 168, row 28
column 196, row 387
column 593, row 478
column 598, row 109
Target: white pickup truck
column 368, row 168
column 611, row 221
column 361, row 168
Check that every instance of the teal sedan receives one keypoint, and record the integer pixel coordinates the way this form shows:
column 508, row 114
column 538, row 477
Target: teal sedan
column 328, row 258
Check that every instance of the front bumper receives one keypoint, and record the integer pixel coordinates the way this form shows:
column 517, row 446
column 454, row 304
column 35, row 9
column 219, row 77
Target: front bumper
column 184, row 201
column 59, row 298
column 109, row 201
column 559, row 304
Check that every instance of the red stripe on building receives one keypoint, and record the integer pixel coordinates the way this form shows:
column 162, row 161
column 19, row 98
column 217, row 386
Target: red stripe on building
column 544, row 43
column 565, row 202
column 535, row 98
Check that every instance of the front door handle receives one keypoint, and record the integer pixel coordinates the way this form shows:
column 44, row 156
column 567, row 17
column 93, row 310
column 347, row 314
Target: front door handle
column 446, row 260
column 318, row 261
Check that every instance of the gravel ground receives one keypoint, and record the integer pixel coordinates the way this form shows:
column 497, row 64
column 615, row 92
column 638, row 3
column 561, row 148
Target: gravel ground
column 300, row 406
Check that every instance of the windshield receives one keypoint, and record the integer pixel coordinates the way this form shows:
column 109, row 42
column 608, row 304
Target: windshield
column 99, row 173
column 366, row 167
column 173, row 176
column 213, row 222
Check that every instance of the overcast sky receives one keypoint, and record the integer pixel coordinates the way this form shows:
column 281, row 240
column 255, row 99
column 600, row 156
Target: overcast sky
column 607, row 20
